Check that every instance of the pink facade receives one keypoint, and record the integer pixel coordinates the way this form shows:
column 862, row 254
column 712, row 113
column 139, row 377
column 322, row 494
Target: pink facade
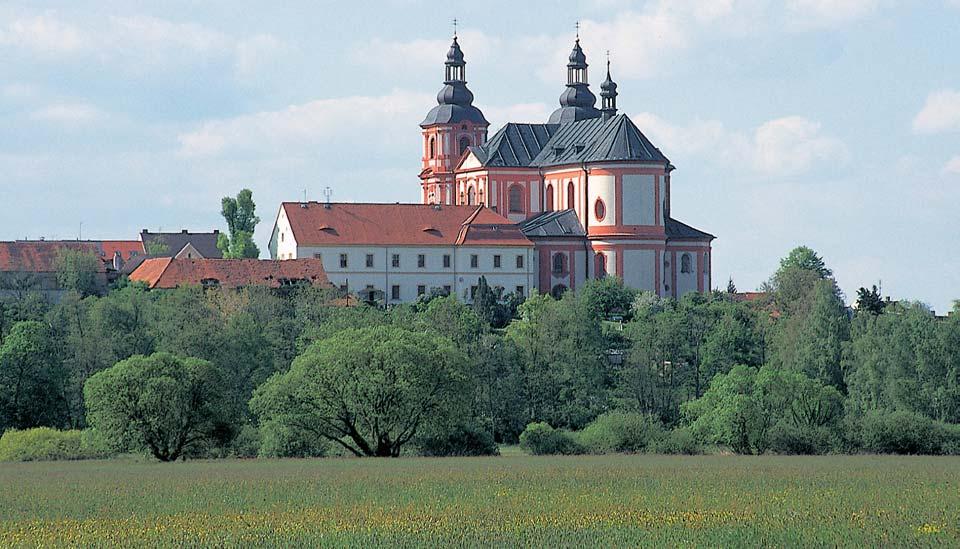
column 591, row 162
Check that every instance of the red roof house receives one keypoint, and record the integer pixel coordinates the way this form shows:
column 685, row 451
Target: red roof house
column 169, row 272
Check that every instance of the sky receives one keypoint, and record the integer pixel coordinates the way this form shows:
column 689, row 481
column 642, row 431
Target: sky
column 829, row 123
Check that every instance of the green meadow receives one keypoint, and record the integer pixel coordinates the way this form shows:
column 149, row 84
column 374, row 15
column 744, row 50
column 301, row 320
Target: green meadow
column 493, row 501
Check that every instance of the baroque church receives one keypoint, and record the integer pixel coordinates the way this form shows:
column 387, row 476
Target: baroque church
column 586, row 187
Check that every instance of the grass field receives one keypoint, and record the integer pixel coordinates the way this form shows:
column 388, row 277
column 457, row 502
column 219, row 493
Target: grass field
column 570, row 501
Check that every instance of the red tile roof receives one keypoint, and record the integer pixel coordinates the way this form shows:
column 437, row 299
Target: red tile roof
column 40, row 256
column 127, row 249
column 347, row 224
column 750, row 296
column 168, row 272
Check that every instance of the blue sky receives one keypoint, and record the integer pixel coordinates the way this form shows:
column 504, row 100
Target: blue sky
column 830, row 123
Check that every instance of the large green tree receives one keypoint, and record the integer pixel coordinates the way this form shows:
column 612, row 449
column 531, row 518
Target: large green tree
column 32, row 379
column 167, row 404
column 78, row 270
column 241, row 219
column 369, row 390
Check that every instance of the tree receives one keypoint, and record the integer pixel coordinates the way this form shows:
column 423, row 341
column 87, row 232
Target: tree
column 742, row 408
column 369, row 390
column 77, row 270
column 158, row 246
column 162, row 402
column 608, row 296
column 806, row 259
column 32, row 379
column 241, row 222
column 869, row 301
column 731, row 287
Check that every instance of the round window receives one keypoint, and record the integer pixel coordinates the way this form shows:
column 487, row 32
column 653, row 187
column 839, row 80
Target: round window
column 600, row 209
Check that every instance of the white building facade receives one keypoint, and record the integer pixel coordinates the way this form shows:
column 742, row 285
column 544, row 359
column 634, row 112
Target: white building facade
column 407, row 250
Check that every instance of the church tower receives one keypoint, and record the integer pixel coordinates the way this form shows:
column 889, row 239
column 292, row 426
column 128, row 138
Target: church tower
column 577, row 102
column 449, row 130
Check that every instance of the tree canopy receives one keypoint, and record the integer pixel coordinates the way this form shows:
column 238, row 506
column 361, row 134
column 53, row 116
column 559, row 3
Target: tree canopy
column 162, row 402
column 241, row 219
column 369, row 390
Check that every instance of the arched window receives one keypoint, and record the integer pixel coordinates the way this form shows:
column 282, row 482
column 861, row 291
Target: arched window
column 559, row 263
column 464, row 143
column 471, row 196
column 549, row 206
column 706, row 263
column 433, row 147
column 599, row 209
column 571, row 195
column 515, row 199
column 558, row 290
column 685, row 263
column 601, row 265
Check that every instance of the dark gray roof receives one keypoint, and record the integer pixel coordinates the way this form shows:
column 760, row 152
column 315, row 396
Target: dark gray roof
column 205, row 243
column 452, row 114
column 681, row 231
column 515, row 144
column 595, row 140
column 599, row 140
column 562, row 223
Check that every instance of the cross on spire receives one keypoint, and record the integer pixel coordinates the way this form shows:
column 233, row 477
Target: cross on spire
column 454, row 27
column 578, row 30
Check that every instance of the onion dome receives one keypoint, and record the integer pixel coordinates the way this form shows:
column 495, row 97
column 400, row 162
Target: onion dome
column 455, row 100
column 577, row 102
column 608, row 95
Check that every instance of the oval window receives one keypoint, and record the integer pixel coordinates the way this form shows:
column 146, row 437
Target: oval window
column 600, row 210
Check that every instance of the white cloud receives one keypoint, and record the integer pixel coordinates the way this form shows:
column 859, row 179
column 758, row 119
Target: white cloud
column 308, row 124
column 67, row 113
column 140, row 43
column 44, row 34
column 420, row 54
column 940, row 113
column 952, row 166
column 824, row 13
column 781, row 147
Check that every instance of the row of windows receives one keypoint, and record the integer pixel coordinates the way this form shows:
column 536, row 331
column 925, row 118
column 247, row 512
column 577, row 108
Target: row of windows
column 464, row 145
column 422, row 261
column 422, row 290
column 686, row 263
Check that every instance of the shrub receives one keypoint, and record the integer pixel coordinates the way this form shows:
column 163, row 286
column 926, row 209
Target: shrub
column 281, row 440
column 247, row 442
column 628, row 432
column 46, row 444
column 788, row 438
column 677, row 441
column 466, row 439
column 904, row 432
column 540, row 439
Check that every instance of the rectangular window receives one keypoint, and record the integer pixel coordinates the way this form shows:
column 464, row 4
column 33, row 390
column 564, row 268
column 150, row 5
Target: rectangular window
column 519, row 291
column 519, row 261
column 421, row 261
column 421, row 290
column 318, row 256
column 446, row 289
column 370, row 261
column 395, row 261
column 446, row 261
column 474, row 262
column 496, row 262
column 395, row 292
column 343, row 261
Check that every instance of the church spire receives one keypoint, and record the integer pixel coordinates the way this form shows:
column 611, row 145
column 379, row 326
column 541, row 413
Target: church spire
column 455, row 100
column 577, row 102
column 608, row 94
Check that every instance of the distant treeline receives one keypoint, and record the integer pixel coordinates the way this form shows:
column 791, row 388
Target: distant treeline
column 209, row 373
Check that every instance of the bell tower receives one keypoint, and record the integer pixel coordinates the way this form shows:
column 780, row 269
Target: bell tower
column 448, row 130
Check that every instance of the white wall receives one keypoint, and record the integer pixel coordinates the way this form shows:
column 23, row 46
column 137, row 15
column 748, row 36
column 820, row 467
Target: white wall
column 638, row 199
column 639, row 269
column 282, row 243
column 460, row 276
column 687, row 282
column 603, row 187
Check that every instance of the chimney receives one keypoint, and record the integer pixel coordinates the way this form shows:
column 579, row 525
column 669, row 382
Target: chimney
column 144, row 231
column 183, row 231
column 216, row 231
